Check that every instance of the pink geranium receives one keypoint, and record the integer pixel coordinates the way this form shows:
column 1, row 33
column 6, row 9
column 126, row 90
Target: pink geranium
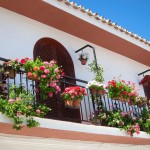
column 11, row 100
column 43, row 76
column 46, row 71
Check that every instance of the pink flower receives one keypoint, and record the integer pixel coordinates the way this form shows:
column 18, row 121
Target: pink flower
column 52, row 84
column 50, row 94
column 11, row 100
column 56, row 70
column 46, row 63
column 57, row 88
column 16, row 59
column 134, row 118
column 122, row 123
column 43, row 76
column 123, row 114
column 58, row 76
column 38, row 111
column 29, row 74
column 36, row 68
column 137, row 132
column 130, row 94
column 46, row 71
column 19, row 113
column 42, row 68
column 18, row 98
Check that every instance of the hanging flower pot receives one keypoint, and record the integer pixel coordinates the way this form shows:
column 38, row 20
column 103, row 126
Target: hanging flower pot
column 11, row 73
column 93, row 91
column 11, row 67
column 83, row 61
column 99, row 92
column 145, row 80
column 69, row 103
column 83, row 57
column 76, row 103
column 32, row 76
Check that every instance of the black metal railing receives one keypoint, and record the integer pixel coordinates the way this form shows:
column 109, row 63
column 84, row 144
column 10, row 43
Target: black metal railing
column 89, row 103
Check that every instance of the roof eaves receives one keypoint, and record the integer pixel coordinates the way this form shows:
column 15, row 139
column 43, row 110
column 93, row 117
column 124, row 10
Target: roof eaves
column 102, row 19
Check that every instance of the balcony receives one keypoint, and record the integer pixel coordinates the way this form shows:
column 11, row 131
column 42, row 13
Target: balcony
column 69, row 122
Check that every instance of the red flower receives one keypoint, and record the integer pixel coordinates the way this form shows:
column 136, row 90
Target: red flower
column 23, row 61
column 125, row 93
column 42, row 68
column 120, row 87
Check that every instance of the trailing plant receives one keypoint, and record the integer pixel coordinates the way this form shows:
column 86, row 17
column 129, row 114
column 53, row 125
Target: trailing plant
column 21, row 107
column 98, row 71
column 47, row 73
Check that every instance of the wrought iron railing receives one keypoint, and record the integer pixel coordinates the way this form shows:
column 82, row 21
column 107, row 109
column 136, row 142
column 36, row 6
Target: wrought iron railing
column 89, row 104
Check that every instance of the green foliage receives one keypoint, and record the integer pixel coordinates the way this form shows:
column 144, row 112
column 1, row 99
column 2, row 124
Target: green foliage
column 98, row 71
column 123, row 120
column 21, row 107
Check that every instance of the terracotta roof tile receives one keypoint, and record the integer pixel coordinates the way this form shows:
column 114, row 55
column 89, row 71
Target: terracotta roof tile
column 102, row 19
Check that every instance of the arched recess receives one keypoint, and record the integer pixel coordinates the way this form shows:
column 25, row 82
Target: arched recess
column 49, row 49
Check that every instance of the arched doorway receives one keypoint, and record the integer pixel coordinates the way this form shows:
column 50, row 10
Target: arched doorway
column 49, row 49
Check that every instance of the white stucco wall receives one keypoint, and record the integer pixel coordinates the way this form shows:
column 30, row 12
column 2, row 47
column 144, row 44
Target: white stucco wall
column 18, row 35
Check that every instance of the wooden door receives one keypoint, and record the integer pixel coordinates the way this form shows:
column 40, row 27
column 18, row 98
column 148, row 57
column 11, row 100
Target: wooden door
column 49, row 49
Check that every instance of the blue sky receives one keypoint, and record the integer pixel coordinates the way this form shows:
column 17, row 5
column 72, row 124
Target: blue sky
column 133, row 15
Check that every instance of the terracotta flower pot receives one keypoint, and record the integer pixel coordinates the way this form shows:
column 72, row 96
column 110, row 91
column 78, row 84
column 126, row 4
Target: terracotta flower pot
column 69, row 103
column 83, row 61
column 99, row 92
column 93, row 91
column 131, row 102
column 32, row 77
column 12, row 73
column 140, row 105
column 76, row 103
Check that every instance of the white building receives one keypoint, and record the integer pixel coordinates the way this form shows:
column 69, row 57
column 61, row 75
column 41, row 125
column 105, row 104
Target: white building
column 55, row 29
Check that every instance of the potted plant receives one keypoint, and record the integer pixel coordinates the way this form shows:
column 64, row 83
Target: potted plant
column 21, row 108
column 11, row 67
column 145, row 80
column 31, row 67
column 83, row 57
column 141, row 101
column 47, row 73
column 73, row 96
column 121, row 90
column 96, row 87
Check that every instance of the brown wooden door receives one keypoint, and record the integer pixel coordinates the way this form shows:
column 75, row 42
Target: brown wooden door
column 49, row 49
column 147, row 89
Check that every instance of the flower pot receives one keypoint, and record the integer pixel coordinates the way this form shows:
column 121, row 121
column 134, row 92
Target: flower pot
column 76, row 103
column 99, row 92
column 122, row 99
column 139, row 105
column 131, row 102
column 69, row 103
column 83, row 61
column 32, row 77
column 93, row 91
column 12, row 73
